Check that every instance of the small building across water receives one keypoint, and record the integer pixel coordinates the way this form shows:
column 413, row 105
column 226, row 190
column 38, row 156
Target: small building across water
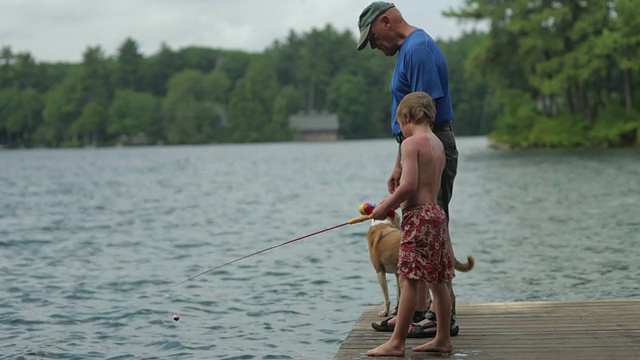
column 315, row 126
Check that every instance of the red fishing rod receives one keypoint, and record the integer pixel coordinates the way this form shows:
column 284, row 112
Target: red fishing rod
column 352, row 221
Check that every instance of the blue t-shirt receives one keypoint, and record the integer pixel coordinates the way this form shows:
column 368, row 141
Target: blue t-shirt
column 421, row 67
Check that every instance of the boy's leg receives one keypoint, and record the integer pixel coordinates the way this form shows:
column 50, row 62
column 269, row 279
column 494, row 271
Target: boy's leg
column 442, row 303
column 452, row 296
column 408, row 297
column 423, row 299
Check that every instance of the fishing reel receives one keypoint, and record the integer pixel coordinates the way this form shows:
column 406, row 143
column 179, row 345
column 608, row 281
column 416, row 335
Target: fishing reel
column 367, row 209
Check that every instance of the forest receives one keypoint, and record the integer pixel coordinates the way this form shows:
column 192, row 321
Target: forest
column 545, row 74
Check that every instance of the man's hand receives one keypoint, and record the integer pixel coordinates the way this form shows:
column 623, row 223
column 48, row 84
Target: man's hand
column 394, row 180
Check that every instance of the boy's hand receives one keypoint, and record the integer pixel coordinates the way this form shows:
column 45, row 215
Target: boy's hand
column 380, row 212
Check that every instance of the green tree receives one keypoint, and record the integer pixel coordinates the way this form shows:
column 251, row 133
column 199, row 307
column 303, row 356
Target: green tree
column 198, row 58
column 376, row 71
column 7, row 59
column 159, row 68
column 95, row 77
column 61, row 107
column 251, row 104
column 234, row 64
column 288, row 101
column 216, row 85
column 27, row 72
column 345, row 98
column 622, row 42
column 94, row 97
column 54, row 74
column 5, row 100
column 129, row 70
column 88, row 125
column 473, row 109
column 558, row 53
column 134, row 117
column 310, row 62
column 189, row 113
column 26, row 114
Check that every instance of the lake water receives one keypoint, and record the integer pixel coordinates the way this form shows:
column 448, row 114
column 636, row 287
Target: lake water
column 93, row 242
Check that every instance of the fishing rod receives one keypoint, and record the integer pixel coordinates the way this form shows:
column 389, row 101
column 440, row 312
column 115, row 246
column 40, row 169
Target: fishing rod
column 352, row 221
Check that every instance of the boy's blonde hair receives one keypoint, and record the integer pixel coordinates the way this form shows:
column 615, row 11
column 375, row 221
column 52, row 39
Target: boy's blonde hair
column 419, row 105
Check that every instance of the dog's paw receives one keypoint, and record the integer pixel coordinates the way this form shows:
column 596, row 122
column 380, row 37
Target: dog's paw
column 383, row 313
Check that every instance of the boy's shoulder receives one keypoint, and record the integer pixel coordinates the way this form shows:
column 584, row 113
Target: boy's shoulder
column 422, row 137
column 421, row 142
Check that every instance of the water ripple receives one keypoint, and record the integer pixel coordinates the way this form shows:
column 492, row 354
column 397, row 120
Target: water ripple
column 94, row 241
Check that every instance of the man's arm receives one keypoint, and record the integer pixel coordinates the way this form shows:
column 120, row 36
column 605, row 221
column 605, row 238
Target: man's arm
column 394, row 179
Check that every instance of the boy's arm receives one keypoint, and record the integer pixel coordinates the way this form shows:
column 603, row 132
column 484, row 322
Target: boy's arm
column 408, row 181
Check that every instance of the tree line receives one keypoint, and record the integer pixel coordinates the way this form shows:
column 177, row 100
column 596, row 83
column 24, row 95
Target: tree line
column 546, row 73
column 202, row 95
column 562, row 72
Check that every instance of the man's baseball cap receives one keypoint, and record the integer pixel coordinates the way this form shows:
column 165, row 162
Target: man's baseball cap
column 367, row 16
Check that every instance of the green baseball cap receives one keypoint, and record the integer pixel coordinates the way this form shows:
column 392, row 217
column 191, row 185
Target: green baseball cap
column 367, row 16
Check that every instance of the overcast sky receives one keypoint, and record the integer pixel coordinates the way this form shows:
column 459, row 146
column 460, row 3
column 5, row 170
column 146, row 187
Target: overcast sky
column 61, row 30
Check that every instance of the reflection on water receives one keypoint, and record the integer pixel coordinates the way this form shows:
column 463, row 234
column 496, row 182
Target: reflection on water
column 93, row 242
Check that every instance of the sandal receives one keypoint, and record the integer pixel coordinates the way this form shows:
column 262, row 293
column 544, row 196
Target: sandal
column 430, row 315
column 428, row 330
column 385, row 327
column 419, row 316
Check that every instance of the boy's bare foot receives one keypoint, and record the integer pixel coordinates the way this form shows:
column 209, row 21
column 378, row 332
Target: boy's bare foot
column 386, row 349
column 434, row 346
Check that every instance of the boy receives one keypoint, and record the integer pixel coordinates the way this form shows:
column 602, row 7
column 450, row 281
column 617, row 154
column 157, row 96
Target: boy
column 425, row 249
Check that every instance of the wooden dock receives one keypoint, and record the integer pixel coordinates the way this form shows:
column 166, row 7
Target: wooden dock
column 523, row 330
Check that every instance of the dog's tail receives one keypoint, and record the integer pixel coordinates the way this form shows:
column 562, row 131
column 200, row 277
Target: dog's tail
column 468, row 266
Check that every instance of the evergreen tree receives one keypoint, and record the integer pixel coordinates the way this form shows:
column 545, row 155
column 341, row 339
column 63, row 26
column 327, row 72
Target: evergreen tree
column 129, row 70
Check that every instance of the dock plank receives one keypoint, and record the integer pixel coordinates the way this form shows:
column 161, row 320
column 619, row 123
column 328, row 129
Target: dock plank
column 607, row 329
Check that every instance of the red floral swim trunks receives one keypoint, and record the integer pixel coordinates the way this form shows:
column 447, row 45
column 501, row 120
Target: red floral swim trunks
column 425, row 249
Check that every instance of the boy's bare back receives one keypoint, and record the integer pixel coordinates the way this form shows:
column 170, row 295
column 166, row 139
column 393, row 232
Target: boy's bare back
column 423, row 161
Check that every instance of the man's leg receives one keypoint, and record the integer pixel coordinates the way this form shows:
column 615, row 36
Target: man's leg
column 447, row 137
column 423, row 304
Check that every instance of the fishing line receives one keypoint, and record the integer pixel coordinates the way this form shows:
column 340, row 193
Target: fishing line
column 352, row 221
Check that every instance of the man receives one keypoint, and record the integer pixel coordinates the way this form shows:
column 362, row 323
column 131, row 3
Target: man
column 420, row 66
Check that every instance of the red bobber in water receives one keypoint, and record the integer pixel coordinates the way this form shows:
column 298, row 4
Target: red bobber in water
column 176, row 317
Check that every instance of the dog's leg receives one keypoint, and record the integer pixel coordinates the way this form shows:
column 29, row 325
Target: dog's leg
column 382, row 280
